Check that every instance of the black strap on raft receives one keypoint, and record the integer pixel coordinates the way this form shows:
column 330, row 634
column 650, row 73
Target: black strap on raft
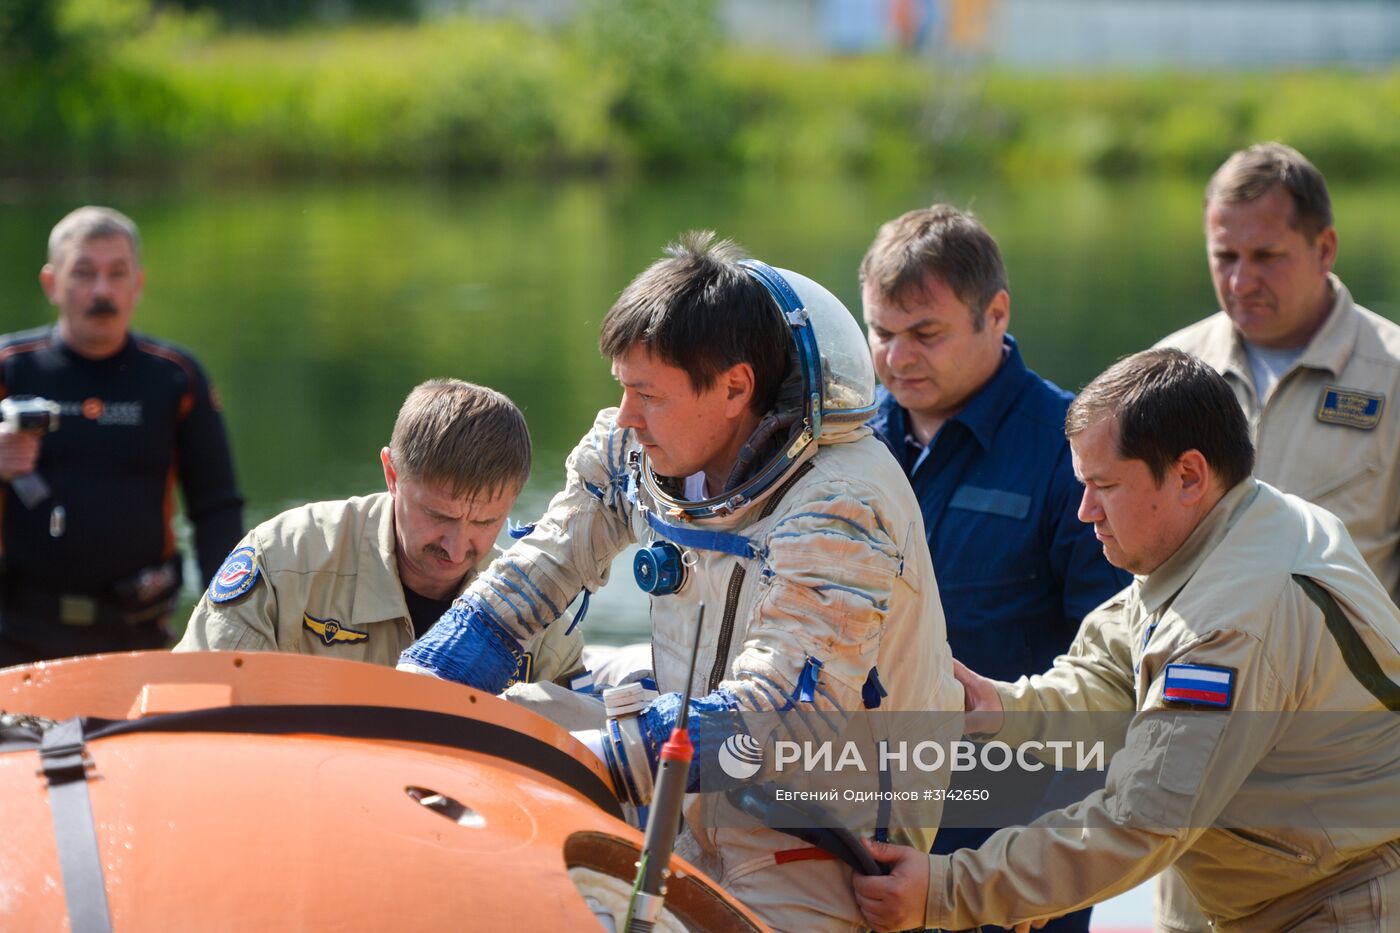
column 380, row 722
column 352, row 722
column 63, row 754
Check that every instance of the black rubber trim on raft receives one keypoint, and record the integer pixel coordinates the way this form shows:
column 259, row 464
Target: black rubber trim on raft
column 361, row 722
column 1358, row 657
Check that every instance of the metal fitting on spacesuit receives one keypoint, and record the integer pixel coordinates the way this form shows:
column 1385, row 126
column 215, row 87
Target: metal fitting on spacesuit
column 624, row 750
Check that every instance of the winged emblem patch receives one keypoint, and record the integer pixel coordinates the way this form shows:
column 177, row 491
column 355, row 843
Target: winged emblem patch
column 331, row 631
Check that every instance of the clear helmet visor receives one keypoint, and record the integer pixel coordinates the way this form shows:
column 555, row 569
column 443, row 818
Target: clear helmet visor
column 847, row 376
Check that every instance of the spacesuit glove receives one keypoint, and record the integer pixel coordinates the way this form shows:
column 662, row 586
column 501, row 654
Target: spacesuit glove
column 467, row 647
column 713, row 719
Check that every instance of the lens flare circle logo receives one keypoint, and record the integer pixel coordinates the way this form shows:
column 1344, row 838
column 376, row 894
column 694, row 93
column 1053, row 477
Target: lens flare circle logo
column 740, row 756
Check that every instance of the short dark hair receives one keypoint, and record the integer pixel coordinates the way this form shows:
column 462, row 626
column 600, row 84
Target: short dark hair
column 1252, row 173
column 699, row 309
column 467, row 436
column 1168, row 402
column 944, row 243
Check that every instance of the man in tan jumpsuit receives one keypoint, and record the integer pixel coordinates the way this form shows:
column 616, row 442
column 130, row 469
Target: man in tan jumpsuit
column 1318, row 375
column 361, row 578
column 1313, row 370
column 1260, row 655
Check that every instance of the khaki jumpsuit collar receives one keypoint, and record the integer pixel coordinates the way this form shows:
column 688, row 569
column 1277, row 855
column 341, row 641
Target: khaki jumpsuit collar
column 1332, row 346
column 379, row 594
column 1329, row 349
column 1158, row 587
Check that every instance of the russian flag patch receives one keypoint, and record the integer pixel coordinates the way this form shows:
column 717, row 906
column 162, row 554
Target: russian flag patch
column 1199, row 685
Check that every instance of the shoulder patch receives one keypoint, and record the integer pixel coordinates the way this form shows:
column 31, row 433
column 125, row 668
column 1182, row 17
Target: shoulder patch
column 1350, row 407
column 330, row 631
column 1199, row 685
column 235, row 577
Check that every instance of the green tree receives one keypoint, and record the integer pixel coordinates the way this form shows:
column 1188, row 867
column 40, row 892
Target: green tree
column 657, row 59
column 29, row 33
column 276, row 14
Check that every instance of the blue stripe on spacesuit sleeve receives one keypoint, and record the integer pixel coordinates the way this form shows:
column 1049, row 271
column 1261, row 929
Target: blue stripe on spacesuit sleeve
column 503, row 596
column 829, row 697
column 879, row 604
column 770, row 691
column 829, row 516
column 515, row 588
column 748, row 690
column 525, row 578
column 467, row 647
column 874, row 513
column 712, row 720
column 880, row 524
column 831, row 533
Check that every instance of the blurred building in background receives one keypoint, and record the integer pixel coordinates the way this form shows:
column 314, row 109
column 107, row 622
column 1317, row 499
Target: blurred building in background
column 1079, row 35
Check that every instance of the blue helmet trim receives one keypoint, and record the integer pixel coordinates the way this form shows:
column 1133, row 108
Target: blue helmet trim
column 795, row 313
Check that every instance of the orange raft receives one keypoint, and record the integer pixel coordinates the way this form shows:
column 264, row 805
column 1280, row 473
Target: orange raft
column 271, row 791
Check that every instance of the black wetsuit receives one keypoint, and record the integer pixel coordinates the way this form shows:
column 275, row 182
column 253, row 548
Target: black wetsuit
column 132, row 427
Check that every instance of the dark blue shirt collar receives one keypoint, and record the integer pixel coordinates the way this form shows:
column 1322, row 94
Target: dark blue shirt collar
column 983, row 414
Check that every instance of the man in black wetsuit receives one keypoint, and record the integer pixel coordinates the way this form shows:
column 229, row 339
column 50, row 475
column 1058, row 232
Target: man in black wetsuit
column 85, row 512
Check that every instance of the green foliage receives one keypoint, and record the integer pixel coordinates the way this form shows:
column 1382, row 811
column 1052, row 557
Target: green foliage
column 29, row 33
column 106, row 85
column 280, row 14
column 653, row 61
column 68, row 99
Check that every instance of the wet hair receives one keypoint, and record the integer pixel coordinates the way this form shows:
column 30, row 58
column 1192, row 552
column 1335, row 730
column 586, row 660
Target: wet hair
column 1251, row 173
column 469, row 437
column 1168, row 402
column 700, row 310
column 939, row 242
column 91, row 223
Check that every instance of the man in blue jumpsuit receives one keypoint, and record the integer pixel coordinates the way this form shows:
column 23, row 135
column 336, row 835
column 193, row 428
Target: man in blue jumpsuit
column 981, row 438
column 89, row 550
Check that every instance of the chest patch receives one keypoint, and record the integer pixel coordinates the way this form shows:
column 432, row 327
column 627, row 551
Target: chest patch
column 1350, row 407
column 235, row 577
column 331, row 631
column 1199, row 685
column 991, row 501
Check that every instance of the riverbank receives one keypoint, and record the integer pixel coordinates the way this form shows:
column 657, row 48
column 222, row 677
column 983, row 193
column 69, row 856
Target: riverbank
column 462, row 96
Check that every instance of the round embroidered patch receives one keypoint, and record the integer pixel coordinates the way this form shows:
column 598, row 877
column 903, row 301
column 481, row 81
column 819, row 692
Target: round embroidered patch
column 236, row 577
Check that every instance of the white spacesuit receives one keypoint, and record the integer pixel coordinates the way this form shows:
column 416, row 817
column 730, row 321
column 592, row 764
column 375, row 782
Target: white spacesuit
column 813, row 566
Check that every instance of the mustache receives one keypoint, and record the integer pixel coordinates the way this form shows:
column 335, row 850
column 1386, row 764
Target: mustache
column 101, row 307
column 432, row 550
